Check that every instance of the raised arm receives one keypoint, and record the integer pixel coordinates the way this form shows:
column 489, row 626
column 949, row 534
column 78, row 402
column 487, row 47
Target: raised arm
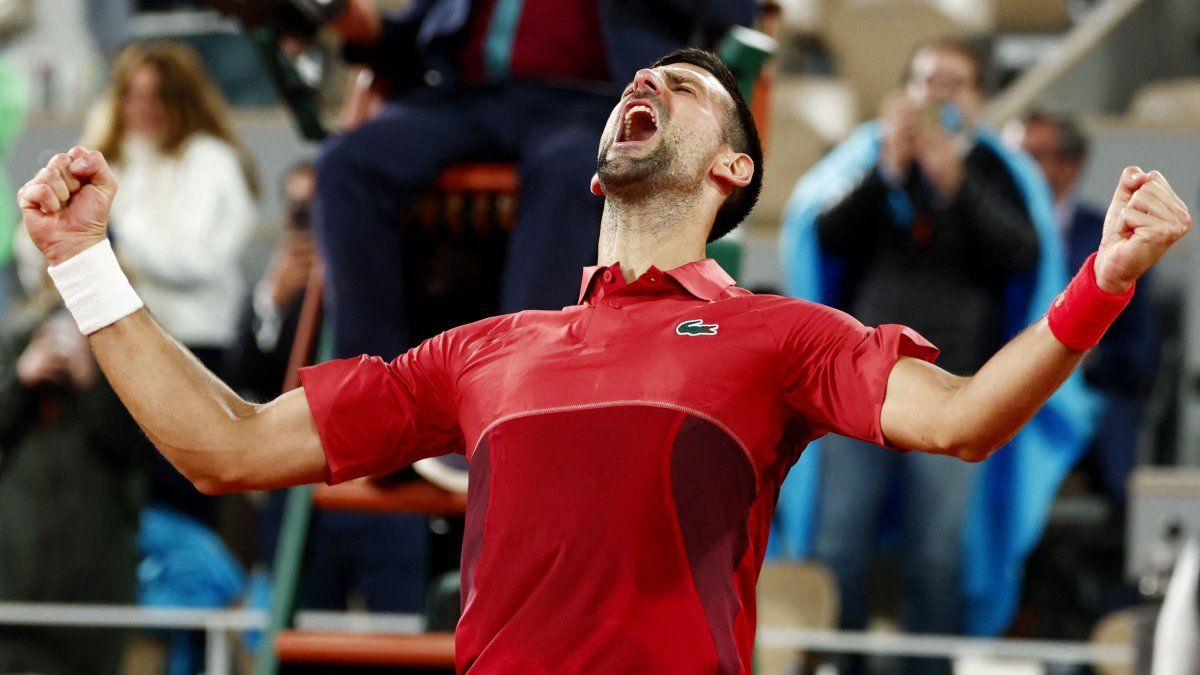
column 218, row 441
column 929, row 409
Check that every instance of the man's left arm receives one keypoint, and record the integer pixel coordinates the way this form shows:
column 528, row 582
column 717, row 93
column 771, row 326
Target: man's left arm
column 928, row 409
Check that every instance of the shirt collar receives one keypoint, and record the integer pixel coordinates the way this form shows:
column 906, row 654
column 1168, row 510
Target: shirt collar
column 702, row 278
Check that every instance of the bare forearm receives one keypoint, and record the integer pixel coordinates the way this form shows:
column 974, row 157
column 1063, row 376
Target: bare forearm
column 971, row 417
column 208, row 432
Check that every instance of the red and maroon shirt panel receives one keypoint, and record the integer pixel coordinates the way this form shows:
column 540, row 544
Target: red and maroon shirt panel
column 625, row 458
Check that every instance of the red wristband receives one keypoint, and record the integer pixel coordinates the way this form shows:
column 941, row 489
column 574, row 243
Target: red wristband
column 1083, row 312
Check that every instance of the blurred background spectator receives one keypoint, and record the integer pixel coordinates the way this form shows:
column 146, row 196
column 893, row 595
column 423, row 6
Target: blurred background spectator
column 931, row 235
column 73, row 479
column 184, row 212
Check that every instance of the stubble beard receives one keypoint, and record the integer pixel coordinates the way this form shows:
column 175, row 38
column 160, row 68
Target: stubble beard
column 661, row 171
column 635, row 178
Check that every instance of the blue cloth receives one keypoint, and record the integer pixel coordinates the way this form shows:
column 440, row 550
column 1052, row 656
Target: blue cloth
column 1010, row 503
column 184, row 564
column 424, row 37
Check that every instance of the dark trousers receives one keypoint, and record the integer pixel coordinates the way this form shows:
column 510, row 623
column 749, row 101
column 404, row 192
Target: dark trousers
column 855, row 479
column 366, row 176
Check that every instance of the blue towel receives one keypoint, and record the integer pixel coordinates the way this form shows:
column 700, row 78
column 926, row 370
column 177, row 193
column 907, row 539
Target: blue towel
column 184, row 564
column 1010, row 503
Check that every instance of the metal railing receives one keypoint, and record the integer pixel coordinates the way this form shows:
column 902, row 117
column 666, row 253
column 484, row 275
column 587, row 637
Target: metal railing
column 217, row 624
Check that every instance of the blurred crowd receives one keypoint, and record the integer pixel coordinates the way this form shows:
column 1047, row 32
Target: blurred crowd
column 923, row 216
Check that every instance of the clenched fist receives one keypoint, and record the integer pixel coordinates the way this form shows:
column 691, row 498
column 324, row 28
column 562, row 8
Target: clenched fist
column 1145, row 218
column 65, row 207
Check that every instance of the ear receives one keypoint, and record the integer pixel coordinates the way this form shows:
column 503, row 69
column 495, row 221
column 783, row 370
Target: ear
column 733, row 170
column 596, row 189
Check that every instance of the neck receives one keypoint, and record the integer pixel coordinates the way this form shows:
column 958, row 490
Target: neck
column 665, row 232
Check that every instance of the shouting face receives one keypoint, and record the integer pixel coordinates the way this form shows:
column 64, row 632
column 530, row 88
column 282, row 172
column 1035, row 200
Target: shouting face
column 665, row 132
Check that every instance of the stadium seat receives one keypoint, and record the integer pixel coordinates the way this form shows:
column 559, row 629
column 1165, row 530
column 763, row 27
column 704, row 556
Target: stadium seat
column 799, row 595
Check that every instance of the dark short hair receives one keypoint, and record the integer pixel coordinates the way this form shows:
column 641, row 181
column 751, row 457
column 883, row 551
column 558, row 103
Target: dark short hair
column 970, row 47
column 740, row 132
column 1072, row 142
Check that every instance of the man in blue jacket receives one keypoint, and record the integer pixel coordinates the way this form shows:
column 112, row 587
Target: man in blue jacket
column 530, row 81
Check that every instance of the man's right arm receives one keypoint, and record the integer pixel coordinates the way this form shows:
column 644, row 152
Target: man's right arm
column 218, row 441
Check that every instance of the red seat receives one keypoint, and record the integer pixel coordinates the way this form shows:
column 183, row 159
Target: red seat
column 335, row 648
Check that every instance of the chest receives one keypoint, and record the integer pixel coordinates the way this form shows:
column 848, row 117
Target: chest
column 711, row 362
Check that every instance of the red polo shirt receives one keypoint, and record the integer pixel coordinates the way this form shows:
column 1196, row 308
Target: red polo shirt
column 625, row 458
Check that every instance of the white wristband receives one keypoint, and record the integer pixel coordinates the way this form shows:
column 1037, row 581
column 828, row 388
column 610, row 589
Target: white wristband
column 94, row 288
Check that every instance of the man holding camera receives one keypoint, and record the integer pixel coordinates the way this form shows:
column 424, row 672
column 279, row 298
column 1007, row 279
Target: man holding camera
column 928, row 226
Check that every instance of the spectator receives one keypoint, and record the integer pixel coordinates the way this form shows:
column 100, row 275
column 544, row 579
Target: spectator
column 72, row 483
column 532, row 82
column 381, row 557
column 185, row 212
column 1122, row 367
column 922, row 219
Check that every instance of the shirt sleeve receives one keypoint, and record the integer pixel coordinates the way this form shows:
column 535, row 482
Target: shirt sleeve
column 376, row 417
column 834, row 370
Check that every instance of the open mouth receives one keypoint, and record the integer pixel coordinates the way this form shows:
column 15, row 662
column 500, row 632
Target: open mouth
column 639, row 123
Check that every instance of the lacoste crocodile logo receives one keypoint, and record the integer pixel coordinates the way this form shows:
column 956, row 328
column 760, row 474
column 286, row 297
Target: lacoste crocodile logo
column 696, row 327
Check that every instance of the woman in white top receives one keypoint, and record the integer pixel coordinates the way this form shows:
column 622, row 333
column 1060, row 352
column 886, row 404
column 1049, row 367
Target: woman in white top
column 184, row 212
column 186, row 206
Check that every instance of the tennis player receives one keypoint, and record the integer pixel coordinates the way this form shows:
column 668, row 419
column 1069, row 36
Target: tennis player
column 625, row 452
